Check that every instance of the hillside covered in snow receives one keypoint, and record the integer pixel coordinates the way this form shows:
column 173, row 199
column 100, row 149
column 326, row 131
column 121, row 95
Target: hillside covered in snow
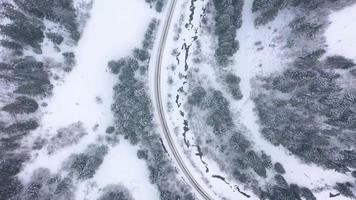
column 177, row 99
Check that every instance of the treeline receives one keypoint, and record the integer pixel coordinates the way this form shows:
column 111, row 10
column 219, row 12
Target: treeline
column 233, row 148
column 227, row 20
column 309, row 112
column 133, row 114
column 43, row 184
column 267, row 10
column 25, row 80
column 27, row 26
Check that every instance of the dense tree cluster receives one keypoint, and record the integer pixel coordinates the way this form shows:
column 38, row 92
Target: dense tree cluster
column 23, row 30
column 345, row 189
column 21, row 105
column 133, row 116
column 266, row 10
column 233, row 85
column 66, row 136
column 55, row 37
column 147, row 44
column 283, row 191
column 132, row 110
column 57, row 11
column 27, row 27
column 21, row 127
column 69, row 60
column 158, row 4
column 84, row 165
column 227, row 21
column 234, row 149
column 132, row 102
column 233, row 144
column 44, row 185
column 115, row 192
column 10, row 166
column 305, row 27
column 26, row 80
column 30, row 76
column 308, row 112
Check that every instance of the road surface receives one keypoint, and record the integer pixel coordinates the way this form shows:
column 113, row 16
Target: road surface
column 160, row 109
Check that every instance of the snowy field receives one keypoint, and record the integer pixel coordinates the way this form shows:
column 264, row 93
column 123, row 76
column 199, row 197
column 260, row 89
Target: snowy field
column 85, row 95
column 340, row 35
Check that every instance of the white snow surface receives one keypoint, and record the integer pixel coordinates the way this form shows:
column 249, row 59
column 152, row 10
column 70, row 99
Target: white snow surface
column 341, row 33
column 115, row 27
column 115, row 170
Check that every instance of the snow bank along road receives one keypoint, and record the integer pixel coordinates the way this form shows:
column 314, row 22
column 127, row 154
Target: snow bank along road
column 160, row 110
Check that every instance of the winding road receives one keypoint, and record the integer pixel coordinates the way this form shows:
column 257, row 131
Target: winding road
column 160, row 109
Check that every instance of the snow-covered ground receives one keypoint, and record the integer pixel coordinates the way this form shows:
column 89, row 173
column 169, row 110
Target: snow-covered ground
column 252, row 60
column 341, row 33
column 121, row 166
column 86, row 94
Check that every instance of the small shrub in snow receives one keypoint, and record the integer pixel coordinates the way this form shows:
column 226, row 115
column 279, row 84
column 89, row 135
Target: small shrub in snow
column 279, row 168
column 110, row 129
column 142, row 154
column 353, row 173
column 69, row 59
column 55, row 38
column 233, row 86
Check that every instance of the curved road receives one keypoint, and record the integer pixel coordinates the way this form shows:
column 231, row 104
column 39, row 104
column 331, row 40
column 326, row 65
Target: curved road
column 160, row 109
